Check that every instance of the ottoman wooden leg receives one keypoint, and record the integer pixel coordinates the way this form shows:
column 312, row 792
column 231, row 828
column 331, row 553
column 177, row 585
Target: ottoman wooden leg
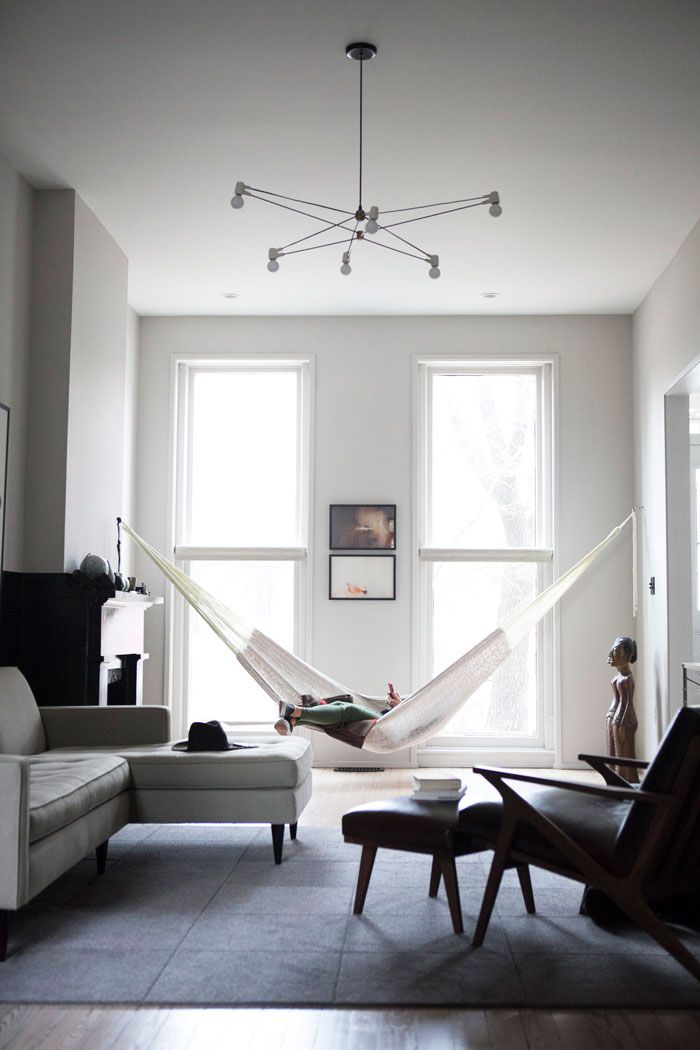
column 277, row 841
column 366, row 865
column 435, row 875
column 293, row 830
column 449, row 875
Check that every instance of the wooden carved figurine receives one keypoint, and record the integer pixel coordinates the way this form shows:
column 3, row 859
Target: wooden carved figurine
column 621, row 720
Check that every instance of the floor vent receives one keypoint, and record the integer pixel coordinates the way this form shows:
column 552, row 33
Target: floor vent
column 358, row 769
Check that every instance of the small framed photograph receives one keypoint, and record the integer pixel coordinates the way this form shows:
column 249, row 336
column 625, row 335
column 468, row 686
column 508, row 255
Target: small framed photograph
column 354, row 577
column 363, row 527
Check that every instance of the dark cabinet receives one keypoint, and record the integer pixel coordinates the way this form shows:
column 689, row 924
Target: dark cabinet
column 75, row 643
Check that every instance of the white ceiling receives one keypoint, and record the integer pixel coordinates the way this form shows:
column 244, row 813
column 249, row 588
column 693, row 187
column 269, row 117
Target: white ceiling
column 584, row 114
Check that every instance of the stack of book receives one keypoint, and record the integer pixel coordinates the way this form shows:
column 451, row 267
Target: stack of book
column 437, row 787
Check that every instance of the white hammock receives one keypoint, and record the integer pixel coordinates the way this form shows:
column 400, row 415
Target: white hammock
column 286, row 677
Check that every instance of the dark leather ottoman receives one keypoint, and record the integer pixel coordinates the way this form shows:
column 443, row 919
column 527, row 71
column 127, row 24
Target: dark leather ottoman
column 440, row 829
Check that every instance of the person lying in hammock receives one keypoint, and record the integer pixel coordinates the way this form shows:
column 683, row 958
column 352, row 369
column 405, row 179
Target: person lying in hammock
column 336, row 710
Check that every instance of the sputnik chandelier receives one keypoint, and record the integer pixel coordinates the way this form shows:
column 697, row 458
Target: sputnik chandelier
column 355, row 225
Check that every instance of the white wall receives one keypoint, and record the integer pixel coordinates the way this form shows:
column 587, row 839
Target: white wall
column 15, row 284
column 666, row 336
column 76, row 432
column 95, row 450
column 49, row 376
column 363, row 452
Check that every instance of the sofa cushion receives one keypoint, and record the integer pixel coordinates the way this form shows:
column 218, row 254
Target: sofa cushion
column 270, row 764
column 21, row 728
column 274, row 762
column 64, row 788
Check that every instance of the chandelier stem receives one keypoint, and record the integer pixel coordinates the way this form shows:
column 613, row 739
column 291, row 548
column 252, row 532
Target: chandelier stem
column 359, row 203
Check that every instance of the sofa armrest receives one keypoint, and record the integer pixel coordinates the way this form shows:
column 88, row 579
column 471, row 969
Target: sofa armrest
column 105, row 726
column 14, row 830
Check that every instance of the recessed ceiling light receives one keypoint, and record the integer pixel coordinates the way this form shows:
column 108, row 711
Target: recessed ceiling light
column 230, row 295
column 490, row 295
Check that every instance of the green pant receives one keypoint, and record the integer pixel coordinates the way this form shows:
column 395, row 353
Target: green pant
column 335, row 713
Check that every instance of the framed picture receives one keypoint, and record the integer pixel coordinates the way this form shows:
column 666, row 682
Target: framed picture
column 354, row 577
column 363, row 527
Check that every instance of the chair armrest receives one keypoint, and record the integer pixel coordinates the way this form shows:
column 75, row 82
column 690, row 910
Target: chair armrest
column 118, row 726
column 14, row 830
column 614, row 760
column 494, row 776
column 603, row 764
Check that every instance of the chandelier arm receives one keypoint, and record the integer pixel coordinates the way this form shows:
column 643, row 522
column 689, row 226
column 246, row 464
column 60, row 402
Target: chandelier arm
column 298, row 211
column 314, row 247
column 296, row 200
column 300, row 240
column 388, row 229
column 419, row 218
column 483, row 198
column 352, row 237
column 390, row 248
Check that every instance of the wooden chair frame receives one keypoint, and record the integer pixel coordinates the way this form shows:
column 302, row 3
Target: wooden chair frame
column 655, row 871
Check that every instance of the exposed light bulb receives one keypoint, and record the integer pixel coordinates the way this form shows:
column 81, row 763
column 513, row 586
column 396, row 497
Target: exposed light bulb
column 495, row 210
column 237, row 201
column 273, row 266
column 371, row 226
column 346, row 268
column 433, row 272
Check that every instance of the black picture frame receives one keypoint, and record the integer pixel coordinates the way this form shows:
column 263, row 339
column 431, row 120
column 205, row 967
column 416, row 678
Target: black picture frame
column 4, row 453
column 362, row 527
column 362, row 577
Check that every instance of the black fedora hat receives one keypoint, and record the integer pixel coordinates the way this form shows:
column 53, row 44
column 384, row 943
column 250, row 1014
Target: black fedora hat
column 206, row 736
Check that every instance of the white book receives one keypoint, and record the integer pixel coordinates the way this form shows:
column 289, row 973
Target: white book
column 439, row 796
column 436, row 782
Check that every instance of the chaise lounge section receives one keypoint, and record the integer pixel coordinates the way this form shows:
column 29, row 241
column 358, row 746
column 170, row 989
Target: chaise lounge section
column 70, row 777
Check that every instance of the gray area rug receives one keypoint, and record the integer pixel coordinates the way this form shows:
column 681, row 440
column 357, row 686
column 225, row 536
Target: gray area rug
column 194, row 914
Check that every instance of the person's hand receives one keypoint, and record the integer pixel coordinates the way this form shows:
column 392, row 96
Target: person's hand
column 392, row 697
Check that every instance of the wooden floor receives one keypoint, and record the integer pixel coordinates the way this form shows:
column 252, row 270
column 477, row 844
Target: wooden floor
column 171, row 1028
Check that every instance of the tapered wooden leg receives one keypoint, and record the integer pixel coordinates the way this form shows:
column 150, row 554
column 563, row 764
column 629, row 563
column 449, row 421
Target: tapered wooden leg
column 526, row 887
column 449, row 875
column 435, row 876
column 4, row 928
column 498, row 864
column 293, row 830
column 277, row 841
column 101, row 857
column 366, row 865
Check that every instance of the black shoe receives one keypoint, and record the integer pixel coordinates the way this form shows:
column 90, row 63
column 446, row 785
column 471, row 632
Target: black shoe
column 286, row 710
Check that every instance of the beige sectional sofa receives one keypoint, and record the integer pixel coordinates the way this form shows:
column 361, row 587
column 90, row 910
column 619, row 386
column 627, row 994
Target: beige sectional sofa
column 70, row 777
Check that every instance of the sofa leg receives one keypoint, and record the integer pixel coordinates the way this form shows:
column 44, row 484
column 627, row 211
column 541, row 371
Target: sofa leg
column 101, row 857
column 293, row 830
column 4, row 928
column 277, row 841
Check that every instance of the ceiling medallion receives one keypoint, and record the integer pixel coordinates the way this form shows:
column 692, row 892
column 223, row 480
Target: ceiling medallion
column 356, row 225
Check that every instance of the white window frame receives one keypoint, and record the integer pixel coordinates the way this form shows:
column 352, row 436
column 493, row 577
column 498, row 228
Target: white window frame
column 183, row 370
column 543, row 748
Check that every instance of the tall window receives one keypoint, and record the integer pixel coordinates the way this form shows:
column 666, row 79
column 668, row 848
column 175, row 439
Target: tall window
column 241, row 521
column 484, row 528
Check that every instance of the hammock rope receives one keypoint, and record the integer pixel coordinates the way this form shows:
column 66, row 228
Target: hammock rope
column 419, row 716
